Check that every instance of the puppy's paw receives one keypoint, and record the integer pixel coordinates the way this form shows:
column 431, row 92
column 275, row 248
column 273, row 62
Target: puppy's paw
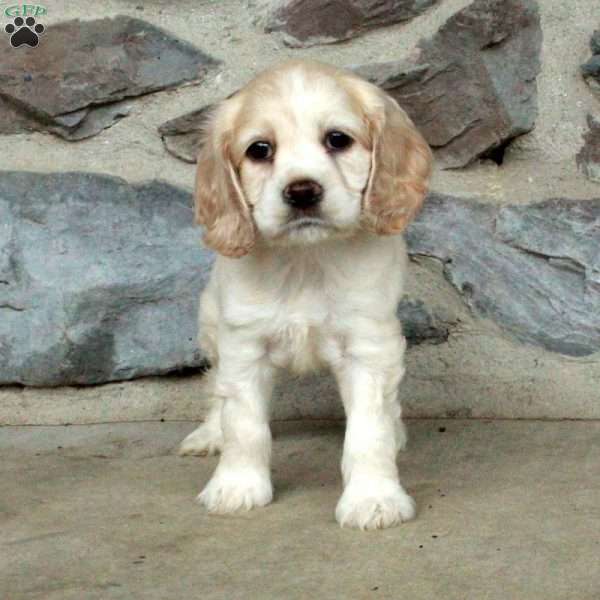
column 235, row 489
column 203, row 441
column 374, row 504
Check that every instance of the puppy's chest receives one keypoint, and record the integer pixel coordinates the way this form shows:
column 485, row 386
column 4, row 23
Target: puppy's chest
column 303, row 335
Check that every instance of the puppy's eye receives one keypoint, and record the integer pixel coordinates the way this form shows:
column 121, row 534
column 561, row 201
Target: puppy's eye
column 260, row 151
column 337, row 140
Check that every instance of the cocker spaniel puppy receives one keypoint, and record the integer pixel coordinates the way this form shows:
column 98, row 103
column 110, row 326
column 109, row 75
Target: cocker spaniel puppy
column 306, row 178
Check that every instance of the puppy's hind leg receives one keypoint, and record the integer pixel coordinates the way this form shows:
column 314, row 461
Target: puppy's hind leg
column 208, row 438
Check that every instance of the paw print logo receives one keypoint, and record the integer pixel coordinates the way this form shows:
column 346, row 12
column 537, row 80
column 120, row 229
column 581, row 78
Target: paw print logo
column 24, row 31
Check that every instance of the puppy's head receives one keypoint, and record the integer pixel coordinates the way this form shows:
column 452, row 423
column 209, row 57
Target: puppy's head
column 307, row 152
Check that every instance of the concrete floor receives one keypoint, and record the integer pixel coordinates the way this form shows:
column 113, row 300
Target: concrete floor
column 507, row 510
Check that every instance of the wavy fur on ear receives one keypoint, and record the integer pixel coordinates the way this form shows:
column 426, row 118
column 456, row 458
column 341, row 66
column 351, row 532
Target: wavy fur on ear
column 401, row 164
column 219, row 200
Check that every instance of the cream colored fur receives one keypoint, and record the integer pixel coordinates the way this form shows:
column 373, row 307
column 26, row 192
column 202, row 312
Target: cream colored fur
column 306, row 293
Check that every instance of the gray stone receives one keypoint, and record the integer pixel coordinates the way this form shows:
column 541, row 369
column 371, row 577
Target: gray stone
column 420, row 325
column 595, row 42
column 90, row 121
column 181, row 136
column 534, row 269
column 588, row 158
column 80, row 66
column 311, row 22
column 99, row 280
column 591, row 68
column 13, row 120
column 471, row 88
column 391, row 75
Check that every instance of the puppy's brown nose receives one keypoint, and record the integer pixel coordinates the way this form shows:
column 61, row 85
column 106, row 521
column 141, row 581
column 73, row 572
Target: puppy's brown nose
column 303, row 194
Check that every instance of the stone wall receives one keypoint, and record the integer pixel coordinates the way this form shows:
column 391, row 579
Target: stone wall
column 100, row 265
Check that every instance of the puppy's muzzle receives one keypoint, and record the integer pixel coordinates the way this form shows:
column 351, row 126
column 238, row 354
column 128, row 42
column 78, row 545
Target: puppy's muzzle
column 303, row 194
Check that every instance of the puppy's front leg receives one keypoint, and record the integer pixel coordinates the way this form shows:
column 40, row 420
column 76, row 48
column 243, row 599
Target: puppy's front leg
column 368, row 378
column 244, row 382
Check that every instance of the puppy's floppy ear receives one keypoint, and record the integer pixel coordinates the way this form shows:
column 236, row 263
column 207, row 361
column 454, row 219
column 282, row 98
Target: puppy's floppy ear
column 401, row 163
column 220, row 204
